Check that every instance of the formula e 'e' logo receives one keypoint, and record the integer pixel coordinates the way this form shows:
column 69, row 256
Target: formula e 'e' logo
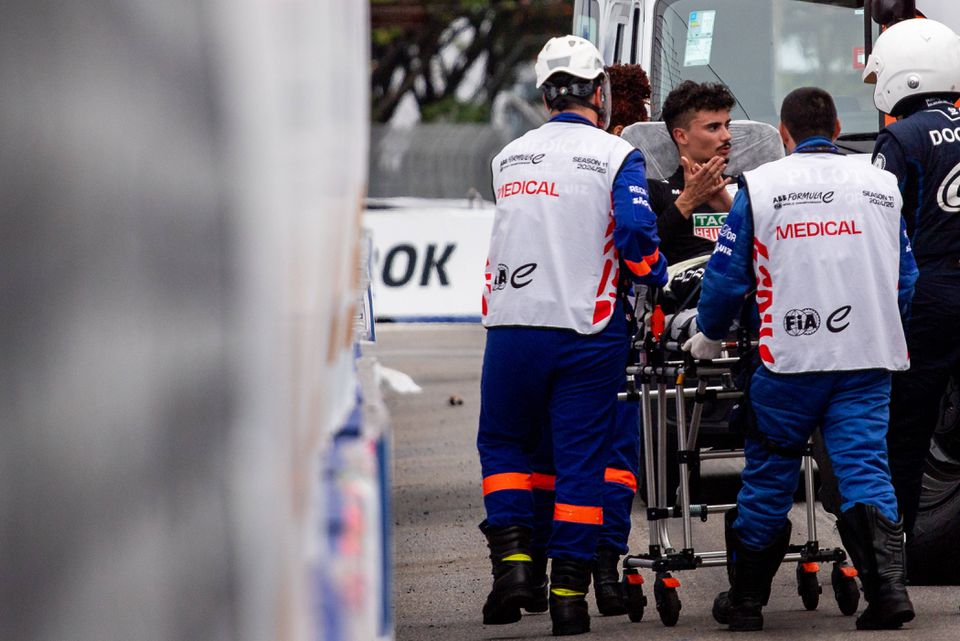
column 948, row 193
column 837, row 320
column 521, row 276
column 801, row 322
column 827, row 198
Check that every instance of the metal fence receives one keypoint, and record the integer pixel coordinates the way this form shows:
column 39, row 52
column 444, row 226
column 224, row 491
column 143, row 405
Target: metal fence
column 434, row 160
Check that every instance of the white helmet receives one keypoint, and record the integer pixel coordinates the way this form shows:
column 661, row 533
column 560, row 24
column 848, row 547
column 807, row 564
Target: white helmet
column 568, row 54
column 913, row 58
column 577, row 57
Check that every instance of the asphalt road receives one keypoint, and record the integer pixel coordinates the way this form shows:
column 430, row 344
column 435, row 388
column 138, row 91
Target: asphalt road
column 441, row 569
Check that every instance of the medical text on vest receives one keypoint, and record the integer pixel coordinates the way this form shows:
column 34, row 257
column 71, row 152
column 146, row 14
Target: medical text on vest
column 529, row 187
column 813, row 228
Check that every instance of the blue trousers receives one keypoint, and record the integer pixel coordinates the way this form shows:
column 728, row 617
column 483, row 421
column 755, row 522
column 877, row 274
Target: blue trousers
column 619, row 486
column 548, row 402
column 851, row 407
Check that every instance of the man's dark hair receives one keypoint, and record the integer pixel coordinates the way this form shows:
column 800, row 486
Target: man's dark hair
column 562, row 91
column 689, row 97
column 630, row 88
column 808, row 112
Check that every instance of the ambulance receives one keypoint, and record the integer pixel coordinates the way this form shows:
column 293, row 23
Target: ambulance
column 760, row 49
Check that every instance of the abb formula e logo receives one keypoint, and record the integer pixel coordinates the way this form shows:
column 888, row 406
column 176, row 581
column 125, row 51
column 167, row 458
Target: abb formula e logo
column 521, row 159
column 948, row 193
column 803, row 198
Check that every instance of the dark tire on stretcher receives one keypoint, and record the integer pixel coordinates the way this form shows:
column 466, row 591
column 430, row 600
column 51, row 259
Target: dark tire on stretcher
column 808, row 587
column 636, row 600
column 845, row 590
column 668, row 601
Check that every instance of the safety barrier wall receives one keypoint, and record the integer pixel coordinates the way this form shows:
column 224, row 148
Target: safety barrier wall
column 184, row 451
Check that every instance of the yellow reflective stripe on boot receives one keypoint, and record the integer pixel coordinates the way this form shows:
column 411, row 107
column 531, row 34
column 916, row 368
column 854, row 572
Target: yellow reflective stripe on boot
column 517, row 557
column 565, row 592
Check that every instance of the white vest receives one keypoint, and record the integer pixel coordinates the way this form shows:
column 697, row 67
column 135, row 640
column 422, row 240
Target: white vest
column 827, row 262
column 552, row 262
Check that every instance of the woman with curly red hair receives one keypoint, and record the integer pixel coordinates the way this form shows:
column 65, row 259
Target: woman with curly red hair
column 631, row 93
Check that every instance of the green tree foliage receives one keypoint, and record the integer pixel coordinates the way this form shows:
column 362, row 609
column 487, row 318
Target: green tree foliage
column 427, row 47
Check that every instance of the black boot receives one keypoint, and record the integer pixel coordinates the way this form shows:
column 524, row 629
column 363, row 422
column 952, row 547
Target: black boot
column 721, row 604
column 876, row 547
column 512, row 573
column 539, row 582
column 751, row 573
column 611, row 599
column 569, row 584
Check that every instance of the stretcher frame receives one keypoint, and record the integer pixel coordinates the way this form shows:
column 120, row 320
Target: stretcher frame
column 656, row 380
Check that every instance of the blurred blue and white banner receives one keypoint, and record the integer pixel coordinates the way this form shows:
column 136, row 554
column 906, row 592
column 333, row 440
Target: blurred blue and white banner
column 429, row 257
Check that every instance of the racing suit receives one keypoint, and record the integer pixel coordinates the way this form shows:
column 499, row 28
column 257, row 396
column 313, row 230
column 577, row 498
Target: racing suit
column 923, row 151
column 571, row 206
column 826, row 350
column 678, row 242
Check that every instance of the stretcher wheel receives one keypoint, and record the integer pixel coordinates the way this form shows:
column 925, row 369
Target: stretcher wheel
column 633, row 588
column 808, row 587
column 668, row 601
column 845, row 588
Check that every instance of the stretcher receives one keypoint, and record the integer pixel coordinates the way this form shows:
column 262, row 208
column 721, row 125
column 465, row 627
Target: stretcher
column 662, row 376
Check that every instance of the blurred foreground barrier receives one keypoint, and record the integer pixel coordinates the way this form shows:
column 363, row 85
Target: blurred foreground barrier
column 180, row 198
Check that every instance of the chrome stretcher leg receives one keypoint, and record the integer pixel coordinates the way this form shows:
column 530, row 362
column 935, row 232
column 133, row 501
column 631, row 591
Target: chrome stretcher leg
column 684, row 465
column 808, row 585
column 648, row 459
column 662, row 501
column 811, row 496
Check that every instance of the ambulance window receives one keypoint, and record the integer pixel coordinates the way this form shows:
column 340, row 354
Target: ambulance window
column 762, row 50
column 618, row 47
column 636, row 36
column 586, row 19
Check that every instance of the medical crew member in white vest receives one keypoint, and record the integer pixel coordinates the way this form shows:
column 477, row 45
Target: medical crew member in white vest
column 630, row 89
column 571, row 207
column 821, row 238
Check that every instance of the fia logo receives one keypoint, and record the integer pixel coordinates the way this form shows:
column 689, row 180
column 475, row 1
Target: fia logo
column 500, row 281
column 801, row 322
